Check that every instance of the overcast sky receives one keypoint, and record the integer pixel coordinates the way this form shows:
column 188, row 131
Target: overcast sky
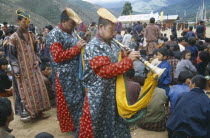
column 104, row 1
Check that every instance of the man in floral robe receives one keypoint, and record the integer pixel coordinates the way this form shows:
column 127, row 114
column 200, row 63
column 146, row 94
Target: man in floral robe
column 65, row 52
column 100, row 118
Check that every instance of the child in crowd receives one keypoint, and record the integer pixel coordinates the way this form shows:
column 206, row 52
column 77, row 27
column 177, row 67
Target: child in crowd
column 191, row 114
column 6, row 116
column 183, row 83
column 165, row 79
column 205, row 58
column 181, row 44
column 190, row 33
column 46, row 74
column 133, row 44
column 133, row 87
column 5, row 82
column 185, row 64
column 193, row 49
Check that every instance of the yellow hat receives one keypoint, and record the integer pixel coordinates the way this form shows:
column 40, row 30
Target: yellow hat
column 73, row 16
column 104, row 13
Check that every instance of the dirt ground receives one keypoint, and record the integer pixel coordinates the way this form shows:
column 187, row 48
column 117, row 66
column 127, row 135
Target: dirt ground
column 50, row 125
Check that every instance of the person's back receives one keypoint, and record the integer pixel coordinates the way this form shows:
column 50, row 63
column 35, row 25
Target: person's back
column 152, row 33
column 182, row 86
column 192, row 48
column 137, row 29
column 156, row 115
column 191, row 114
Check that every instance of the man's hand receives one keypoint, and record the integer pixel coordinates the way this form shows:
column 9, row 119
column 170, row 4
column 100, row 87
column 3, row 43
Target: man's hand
column 36, row 64
column 17, row 75
column 134, row 55
column 81, row 43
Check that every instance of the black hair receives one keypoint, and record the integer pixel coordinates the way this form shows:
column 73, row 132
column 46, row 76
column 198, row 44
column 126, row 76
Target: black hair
column 129, row 30
column 19, row 18
column 155, row 52
column 152, row 20
column 49, row 27
column 143, row 52
column 130, row 73
column 201, row 22
column 4, row 23
column 199, row 81
column 166, row 46
column 192, row 41
column 180, row 39
column 184, row 53
column 165, row 39
column 165, row 35
column 5, row 110
column 191, row 28
column 44, row 66
column 64, row 16
column 3, row 61
column 93, row 24
column 172, row 37
column 164, row 51
column 176, row 47
column 183, row 76
column 138, row 22
column 103, row 21
column 44, row 135
column 45, row 59
column 204, row 56
column 207, row 40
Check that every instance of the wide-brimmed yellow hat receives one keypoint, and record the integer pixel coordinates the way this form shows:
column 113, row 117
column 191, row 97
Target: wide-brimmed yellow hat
column 72, row 15
column 104, row 13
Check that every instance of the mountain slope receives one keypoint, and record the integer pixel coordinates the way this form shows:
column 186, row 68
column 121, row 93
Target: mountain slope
column 190, row 6
column 45, row 12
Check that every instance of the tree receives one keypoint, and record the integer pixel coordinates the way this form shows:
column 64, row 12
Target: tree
column 127, row 9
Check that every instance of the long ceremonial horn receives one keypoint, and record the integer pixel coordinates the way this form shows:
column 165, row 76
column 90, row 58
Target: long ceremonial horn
column 153, row 68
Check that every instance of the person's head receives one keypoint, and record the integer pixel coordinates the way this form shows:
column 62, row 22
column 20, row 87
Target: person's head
column 6, row 113
column 138, row 22
column 185, row 77
column 176, row 48
column 88, row 36
column 191, row 28
column 180, row 39
column 46, row 69
column 106, row 29
column 44, row 135
column 204, row 56
column 133, row 38
column 202, row 22
column 154, row 53
column 152, row 20
column 198, row 81
column 23, row 20
column 192, row 41
column 68, row 24
column 5, row 23
column 93, row 24
column 129, row 30
column 172, row 38
column 165, row 39
column 48, row 28
column 163, row 54
column 3, row 63
column 45, row 60
column 150, row 58
column 130, row 74
column 186, row 54
column 143, row 52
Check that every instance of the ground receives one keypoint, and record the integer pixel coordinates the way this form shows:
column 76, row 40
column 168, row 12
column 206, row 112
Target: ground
column 50, row 125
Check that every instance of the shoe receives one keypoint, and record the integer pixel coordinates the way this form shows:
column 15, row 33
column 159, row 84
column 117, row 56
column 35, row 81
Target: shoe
column 42, row 116
column 25, row 119
column 9, row 130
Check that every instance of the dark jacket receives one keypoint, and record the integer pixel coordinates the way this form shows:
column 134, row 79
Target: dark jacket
column 5, row 82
